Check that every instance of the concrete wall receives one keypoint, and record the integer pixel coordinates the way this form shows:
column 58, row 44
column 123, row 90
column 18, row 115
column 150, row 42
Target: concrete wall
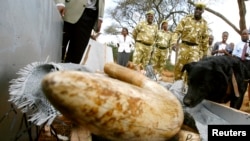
column 30, row 31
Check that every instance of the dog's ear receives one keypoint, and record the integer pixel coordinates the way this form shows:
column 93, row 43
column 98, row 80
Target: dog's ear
column 220, row 72
column 188, row 66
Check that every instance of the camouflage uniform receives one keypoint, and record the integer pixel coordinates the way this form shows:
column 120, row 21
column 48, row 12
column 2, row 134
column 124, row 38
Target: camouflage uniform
column 209, row 51
column 162, row 50
column 210, row 45
column 194, row 46
column 144, row 36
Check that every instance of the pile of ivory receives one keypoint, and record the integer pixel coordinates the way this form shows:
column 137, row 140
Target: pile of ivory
column 121, row 105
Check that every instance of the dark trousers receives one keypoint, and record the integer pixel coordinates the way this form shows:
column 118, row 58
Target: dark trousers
column 123, row 58
column 245, row 62
column 77, row 35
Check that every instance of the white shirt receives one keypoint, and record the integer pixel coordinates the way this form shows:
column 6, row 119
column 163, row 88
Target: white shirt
column 125, row 44
column 221, row 47
column 238, row 49
column 91, row 4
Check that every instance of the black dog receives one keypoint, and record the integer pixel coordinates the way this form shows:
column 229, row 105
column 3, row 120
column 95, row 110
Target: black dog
column 211, row 79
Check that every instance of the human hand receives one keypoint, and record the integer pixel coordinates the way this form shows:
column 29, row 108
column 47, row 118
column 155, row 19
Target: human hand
column 61, row 10
column 99, row 25
column 175, row 47
column 221, row 51
column 225, row 51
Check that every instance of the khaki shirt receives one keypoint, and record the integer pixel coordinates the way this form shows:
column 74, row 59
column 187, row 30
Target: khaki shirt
column 209, row 51
column 193, row 31
column 145, row 33
column 163, row 39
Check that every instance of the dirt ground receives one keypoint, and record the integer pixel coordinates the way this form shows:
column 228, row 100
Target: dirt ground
column 246, row 104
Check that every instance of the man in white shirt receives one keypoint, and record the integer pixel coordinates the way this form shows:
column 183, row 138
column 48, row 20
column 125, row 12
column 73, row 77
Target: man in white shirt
column 239, row 47
column 244, row 57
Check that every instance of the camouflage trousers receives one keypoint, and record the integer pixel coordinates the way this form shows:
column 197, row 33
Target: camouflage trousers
column 141, row 54
column 159, row 59
column 186, row 54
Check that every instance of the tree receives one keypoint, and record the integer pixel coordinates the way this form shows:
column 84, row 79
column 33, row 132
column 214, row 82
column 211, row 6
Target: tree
column 242, row 14
column 112, row 29
column 129, row 12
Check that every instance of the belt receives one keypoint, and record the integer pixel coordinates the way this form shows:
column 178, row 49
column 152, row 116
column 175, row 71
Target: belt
column 147, row 44
column 189, row 43
column 91, row 11
column 161, row 47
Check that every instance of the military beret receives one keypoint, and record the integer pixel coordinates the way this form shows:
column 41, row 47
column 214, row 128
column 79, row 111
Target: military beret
column 200, row 5
column 164, row 21
column 150, row 12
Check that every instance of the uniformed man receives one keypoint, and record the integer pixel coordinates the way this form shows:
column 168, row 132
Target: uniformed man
column 210, row 45
column 162, row 47
column 144, row 35
column 193, row 33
